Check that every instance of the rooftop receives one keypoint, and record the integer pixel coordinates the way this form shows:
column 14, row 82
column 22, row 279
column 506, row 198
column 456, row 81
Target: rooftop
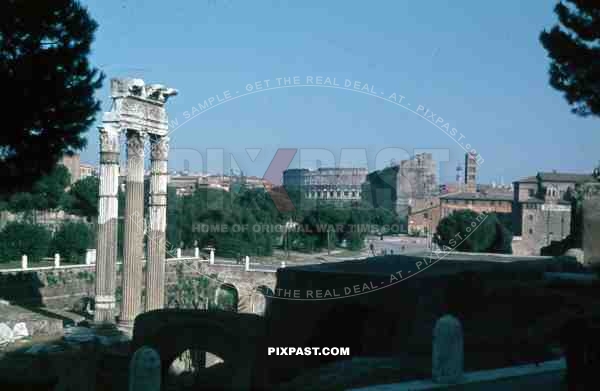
column 558, row 177
column 565, row 177
column 479, row 196
column 529, row 179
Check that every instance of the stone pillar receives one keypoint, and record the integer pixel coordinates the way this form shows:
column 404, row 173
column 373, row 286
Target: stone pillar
column 247, row 263
column 591, row 224
column 144, row 370
column 196, row 252
column 155, row 268
column 211, row 257
column 106, row 272
column 57, row 260
column 448, row 356
column 134, row 229
column 24, row 262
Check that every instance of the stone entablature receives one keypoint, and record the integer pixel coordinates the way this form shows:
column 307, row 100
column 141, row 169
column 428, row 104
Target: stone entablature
column 139, row 107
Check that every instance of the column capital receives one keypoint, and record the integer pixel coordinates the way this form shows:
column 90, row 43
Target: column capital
column 109, row 139
column 135, row 143
column 159, row 147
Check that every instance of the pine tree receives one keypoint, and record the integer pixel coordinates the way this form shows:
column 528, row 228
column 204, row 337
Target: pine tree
column 48, row 84
column 573, row 47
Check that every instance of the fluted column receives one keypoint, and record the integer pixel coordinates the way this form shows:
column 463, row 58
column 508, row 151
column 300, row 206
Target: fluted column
column 106, row 248
column 155, row 268
column 134, row 229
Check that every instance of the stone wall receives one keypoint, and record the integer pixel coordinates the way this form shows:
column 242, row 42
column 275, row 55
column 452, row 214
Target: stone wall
column 66, row 287
column 542, row 224
column 60, row 288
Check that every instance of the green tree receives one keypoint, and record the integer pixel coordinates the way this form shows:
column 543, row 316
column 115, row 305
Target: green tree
column 574, row 49
column 18, row 238
column 45, row 71
column 466, row 230
column 47, row 193
column 82, row 198
column 72, row 239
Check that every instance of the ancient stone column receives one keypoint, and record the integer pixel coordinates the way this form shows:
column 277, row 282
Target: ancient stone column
column 155, row 268
column 106, row 259
column 134, row 229
column 591, row 224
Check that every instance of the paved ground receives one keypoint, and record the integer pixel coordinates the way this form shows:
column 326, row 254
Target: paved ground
column 398, row 244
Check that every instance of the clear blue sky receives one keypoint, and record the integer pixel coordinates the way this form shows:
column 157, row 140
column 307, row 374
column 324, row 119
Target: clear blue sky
column 478, row 65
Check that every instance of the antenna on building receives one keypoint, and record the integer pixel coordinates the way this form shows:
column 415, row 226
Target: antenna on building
column 459, row 170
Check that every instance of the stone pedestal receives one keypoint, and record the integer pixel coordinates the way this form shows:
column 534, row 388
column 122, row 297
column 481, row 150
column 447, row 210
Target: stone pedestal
column 448, row 355
column 134, row 229
column 106, row 260
column 144, row 370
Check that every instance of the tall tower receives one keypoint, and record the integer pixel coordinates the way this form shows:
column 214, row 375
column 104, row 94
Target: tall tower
column 470, row 172
column 458, row 177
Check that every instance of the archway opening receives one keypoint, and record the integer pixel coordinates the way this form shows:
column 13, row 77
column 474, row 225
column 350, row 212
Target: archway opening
column 192, row 368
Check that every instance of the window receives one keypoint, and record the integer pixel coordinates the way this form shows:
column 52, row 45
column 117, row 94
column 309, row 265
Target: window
column 531, row 192
column 530, row 231
column 426, row 215
column 530, row 217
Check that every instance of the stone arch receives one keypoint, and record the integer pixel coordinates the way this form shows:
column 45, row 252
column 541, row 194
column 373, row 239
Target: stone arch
column 227, row 297
column 236, row 338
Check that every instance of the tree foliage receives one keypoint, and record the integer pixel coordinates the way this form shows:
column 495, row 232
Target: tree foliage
column 18, row 238
column 47, row 193
column 45, row 72
column 247, row 222
column 72, row 239
column 466, row 230
column 574, row 49
column 82, row 198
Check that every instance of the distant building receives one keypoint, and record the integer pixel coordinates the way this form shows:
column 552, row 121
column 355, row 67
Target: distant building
column 187, row 184
column 470, row 172
column 419, row 176
column 424, row 215
column 397, row 187
column 87, row 170
column 480, row 202
column 542, row 209
column 76, row 169
column 327, row 184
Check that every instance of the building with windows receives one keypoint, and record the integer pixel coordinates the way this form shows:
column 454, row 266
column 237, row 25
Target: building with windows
column 339, row 184
column 542, row 209
column 398, row 186
column 480, row 202
column 76, row 169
